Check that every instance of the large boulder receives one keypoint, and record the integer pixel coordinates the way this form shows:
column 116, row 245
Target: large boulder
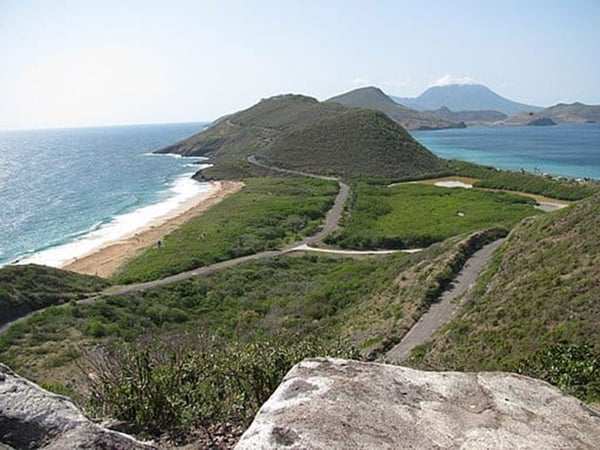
column 32, row 418
column 334, row 403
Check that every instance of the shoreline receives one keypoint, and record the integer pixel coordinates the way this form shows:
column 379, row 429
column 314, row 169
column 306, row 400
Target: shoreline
column 105, row 260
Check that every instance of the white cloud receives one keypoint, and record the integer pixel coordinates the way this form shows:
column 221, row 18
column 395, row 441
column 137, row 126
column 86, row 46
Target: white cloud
column 358, row 81
column 406, row 82
column 449, row 79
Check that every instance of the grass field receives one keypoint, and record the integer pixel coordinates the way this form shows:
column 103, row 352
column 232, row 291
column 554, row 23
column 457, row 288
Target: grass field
column 265, row 214
column 417, row 215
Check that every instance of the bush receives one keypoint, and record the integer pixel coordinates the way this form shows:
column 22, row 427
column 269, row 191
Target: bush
column 574, row 369
column 169, row 388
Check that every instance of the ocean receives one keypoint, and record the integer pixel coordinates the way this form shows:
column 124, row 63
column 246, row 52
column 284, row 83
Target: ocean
column 570, row 150
column 64, row 192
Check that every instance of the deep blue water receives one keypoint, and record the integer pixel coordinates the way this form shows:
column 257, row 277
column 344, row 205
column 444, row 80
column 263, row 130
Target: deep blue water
column 83, row 186
column 571, row 150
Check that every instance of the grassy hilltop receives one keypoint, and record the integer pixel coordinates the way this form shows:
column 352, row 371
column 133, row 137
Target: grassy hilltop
column 304, row 134
column 354, row 143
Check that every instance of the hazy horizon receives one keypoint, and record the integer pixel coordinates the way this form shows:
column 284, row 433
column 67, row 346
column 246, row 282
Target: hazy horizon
column 77, row 64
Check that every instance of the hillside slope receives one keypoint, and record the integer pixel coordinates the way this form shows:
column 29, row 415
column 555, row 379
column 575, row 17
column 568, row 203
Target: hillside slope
column 464, row 97
column 30, row 287
column 375, row 98
column 301, row 133
column 245, row 132
column 560, row 113
column 357, row 142
column 541, row 290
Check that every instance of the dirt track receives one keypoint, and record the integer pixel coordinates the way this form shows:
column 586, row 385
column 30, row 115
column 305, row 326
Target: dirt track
column 441, row 312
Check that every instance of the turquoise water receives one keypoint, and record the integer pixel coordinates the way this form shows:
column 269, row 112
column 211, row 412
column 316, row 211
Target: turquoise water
column 571, row 150
column 64, row 192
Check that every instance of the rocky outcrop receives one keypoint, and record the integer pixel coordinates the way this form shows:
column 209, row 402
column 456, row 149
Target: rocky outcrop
column 333, row 403
column 542, row 122
column 31, row 417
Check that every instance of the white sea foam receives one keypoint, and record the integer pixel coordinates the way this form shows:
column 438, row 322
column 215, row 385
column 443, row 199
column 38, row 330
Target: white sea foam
column 182, row 191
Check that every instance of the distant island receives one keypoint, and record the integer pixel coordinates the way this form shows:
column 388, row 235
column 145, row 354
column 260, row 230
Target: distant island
column 477, row 105
column 464, row 97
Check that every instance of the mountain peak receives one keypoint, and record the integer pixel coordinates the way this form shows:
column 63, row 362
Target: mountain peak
column 372, row 97
column 465, row 97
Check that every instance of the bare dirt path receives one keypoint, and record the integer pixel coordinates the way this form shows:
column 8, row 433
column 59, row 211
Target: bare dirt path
column 441, row 312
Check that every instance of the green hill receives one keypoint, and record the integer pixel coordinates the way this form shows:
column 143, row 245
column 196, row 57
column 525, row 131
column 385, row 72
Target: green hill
column 541, row 291
column 357, row 142
column 30, row 287
column 302, row 133
column 248, row 131
column 375, row 98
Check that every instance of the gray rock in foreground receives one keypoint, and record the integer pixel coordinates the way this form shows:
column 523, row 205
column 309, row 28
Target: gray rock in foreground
column 333, row 403
column 31, row 417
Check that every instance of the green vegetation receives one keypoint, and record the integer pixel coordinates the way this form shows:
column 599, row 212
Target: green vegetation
column 244, row 302
column 247, row 309
column 573, row 368
column 31, row 287
column 370, row 302
column 354, row 143
column 301, row 133
column 416, row 215
column 267, row 213
column 185, row 383
column 542, row 290
column 246, row 132
column 564, row 189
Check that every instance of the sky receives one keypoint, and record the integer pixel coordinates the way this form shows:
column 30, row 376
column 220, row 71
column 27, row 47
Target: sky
column 84, row 63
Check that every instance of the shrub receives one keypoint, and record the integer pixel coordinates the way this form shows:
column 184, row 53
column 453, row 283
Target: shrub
column 574, row 369
column 168, row 388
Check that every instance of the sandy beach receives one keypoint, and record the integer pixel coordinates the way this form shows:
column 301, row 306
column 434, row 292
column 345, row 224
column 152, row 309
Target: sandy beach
column 107, row 259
